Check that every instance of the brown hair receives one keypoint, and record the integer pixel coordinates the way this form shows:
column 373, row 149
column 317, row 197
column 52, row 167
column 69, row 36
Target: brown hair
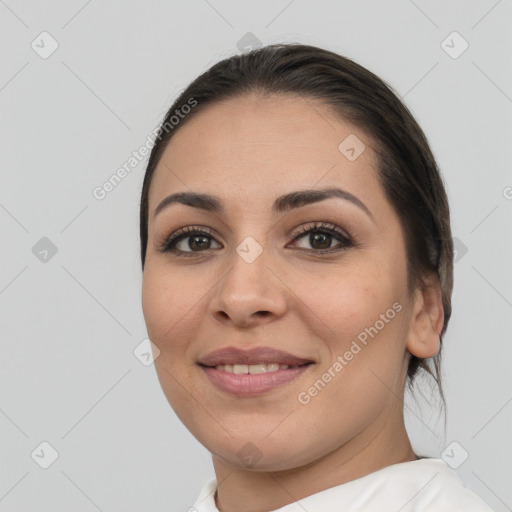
column 407, row 169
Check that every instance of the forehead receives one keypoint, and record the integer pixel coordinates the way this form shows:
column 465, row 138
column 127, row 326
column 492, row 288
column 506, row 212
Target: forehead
column 265, row 146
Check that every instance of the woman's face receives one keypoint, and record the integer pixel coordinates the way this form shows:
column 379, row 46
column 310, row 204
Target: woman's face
column 321, row 280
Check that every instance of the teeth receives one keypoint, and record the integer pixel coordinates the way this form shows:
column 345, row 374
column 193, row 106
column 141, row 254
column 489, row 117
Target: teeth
column 240, row 369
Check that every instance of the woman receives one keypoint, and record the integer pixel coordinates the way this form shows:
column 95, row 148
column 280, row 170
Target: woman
column 298, row 269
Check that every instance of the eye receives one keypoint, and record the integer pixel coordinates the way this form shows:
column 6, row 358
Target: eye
column 320, row 235
column 191, row 240
column 187, row 241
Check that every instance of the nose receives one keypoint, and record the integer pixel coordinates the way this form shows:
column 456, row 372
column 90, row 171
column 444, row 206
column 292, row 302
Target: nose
column 250, row 292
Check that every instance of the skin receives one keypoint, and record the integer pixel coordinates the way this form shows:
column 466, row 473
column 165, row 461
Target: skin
column 247, row 151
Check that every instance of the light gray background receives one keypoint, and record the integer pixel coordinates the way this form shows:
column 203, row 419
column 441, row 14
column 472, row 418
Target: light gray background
column 69, row 325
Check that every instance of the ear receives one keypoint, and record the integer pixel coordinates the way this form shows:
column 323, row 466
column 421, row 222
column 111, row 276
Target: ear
column 424, row 337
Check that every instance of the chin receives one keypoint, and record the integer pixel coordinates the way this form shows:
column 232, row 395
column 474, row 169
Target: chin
column 260, row 454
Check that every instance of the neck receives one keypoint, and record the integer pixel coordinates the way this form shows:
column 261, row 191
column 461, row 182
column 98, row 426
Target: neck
column 255, row 491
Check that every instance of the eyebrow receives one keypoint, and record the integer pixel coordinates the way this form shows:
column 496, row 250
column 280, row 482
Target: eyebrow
column 282, row 204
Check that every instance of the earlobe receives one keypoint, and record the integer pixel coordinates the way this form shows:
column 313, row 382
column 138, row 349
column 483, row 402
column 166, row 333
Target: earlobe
column 424, row 338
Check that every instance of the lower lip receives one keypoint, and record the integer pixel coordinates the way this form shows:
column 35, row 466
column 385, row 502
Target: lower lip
column 252, row 384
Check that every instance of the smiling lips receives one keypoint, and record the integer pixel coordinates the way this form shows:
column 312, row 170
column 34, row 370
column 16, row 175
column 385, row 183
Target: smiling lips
column 241, row 369
column 251, row 372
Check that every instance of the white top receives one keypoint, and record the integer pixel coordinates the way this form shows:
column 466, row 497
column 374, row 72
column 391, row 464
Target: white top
column 424, row 485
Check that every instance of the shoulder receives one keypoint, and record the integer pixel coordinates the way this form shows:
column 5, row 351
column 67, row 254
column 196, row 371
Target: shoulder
column 432, row 486
column 424, row 485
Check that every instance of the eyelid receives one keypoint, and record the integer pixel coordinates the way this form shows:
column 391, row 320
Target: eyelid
column 320, row 225
column 165, row 240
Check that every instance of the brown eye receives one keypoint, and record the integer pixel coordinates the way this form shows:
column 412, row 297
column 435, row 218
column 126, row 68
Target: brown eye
column 192, row 240
column 320, row 236
column 188, row 241
column 319, row 240
column 195, row 242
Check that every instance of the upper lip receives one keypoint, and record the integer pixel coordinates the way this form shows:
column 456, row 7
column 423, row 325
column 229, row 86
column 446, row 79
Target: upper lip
column 257, row 355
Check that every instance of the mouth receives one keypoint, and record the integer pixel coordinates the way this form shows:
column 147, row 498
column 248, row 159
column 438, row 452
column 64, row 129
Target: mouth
column 256, row 356
column 252, row 372
column 253, row 369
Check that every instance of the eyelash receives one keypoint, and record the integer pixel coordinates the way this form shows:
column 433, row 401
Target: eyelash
column 167, row 246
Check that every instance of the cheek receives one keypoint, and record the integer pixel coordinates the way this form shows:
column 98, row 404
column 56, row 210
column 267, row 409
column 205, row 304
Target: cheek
column 345, row 301
column 169, row 310
column 166, row 304
column 360, row 316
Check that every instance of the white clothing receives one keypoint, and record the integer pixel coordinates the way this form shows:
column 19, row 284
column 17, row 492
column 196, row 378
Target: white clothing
column 424, row 485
